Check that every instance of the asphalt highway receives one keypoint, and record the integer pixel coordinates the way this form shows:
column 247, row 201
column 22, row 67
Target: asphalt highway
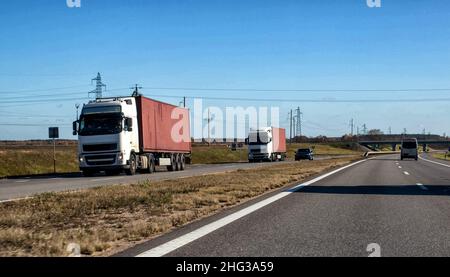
column 381, row 206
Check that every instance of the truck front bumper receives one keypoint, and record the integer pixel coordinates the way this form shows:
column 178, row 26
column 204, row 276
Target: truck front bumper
column 258, row 156
column 104, row 161
column 105, row 168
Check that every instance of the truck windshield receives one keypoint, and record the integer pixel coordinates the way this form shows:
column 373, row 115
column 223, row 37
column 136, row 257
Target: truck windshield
column 258, row 138
column 409, row 145
column 101, row 124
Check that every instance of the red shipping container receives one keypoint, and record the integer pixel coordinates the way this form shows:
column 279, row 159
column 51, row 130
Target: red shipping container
column 163, row 127
column 279, row 140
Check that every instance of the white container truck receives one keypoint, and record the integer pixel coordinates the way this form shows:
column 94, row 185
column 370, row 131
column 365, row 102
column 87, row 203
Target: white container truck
column 132, row 134
column 266, row 144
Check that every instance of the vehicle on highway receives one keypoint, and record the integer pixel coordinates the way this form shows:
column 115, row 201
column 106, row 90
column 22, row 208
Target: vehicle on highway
column 132, row 134
column 267, row 144
column 304, row 154
column 409, row 149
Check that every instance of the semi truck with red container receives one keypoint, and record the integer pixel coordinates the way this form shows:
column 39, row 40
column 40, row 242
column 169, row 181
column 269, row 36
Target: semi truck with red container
column 267, row 144
column 132, row 134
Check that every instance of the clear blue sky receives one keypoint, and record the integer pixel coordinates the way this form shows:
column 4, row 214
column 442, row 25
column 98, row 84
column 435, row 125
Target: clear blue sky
column 228, row 44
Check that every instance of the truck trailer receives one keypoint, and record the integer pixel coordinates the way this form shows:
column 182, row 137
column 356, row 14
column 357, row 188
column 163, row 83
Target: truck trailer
column 132, row 134
column 267, row 144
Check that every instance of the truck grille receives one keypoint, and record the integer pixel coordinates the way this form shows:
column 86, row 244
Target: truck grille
column 99, row 147
column 101, row 160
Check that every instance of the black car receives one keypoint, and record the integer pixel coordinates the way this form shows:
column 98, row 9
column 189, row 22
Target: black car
column 304, row 154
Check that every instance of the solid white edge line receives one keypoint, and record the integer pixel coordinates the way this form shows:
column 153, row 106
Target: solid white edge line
column 446, row 165
column 183, row 240
column 406, row 173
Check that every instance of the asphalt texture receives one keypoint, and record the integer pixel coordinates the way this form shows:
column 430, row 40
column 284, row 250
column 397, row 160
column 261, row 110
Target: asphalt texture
column 402, row 206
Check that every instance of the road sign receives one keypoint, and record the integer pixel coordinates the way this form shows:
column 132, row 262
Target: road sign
column 53, row 132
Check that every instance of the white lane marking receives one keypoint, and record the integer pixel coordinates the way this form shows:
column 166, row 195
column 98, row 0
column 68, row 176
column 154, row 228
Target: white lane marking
column 422, row 186
column 22, row 181
column 183, row 240
column 406, row 172
column 446, row 165
column 400, row 167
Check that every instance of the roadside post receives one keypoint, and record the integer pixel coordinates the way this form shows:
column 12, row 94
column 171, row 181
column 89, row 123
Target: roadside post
column 53, row 133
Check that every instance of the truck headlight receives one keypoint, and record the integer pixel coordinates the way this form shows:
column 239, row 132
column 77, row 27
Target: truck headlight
column 81, row 159
column 120, row 157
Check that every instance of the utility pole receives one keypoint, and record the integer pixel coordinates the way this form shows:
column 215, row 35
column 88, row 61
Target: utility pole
column 352, row 126
column 98, row 87
column 364, row 130
column 390, row 130
column 77, row 106
column 136, row 90
column 209, row 130
column 299, row 122
column 293, row 126
column 290, row 129
column 184, row 102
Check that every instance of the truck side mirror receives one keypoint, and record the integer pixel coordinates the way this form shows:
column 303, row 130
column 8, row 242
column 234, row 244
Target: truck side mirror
column 74, row 128
column 129, row 123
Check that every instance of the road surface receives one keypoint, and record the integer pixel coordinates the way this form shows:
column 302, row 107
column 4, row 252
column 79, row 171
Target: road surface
column 17, row 188
column 400, row 208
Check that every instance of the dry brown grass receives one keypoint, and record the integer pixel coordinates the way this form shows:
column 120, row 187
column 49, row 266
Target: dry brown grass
column 107, row 219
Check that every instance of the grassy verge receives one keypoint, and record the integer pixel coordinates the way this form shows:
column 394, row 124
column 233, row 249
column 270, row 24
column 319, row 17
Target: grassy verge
column 107, row 219
column 31, row 160
column 441, row 156
column 217, row 154
column 37, row 160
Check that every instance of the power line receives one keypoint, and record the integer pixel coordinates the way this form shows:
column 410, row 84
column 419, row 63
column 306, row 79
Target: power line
column 54, row 95
column 41, row 90
column 299, row 90
column 308, row 100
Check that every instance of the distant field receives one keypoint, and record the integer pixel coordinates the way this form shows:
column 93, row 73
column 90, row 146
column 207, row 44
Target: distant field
column 325, row 149
column 31, row 160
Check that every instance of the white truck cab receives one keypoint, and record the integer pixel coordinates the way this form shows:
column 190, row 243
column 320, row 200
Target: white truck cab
column 266, row 144
column 107, row 135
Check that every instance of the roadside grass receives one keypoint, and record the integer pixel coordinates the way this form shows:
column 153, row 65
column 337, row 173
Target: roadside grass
column 441, row 156
column 325, row 149
column 106, row 220
column 217, row 154
column 37, row 160
column 32, row 160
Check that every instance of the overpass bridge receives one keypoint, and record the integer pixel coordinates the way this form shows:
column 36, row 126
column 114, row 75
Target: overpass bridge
column 372, row 144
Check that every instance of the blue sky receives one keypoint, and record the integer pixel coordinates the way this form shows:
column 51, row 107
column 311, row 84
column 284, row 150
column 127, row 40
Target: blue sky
column 228, row 44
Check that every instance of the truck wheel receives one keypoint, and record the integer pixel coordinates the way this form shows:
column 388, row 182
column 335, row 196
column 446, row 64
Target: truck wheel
column 151, row 165
column 171, row 167
column 177, row 162
column 133, row 165
column 182, row 162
